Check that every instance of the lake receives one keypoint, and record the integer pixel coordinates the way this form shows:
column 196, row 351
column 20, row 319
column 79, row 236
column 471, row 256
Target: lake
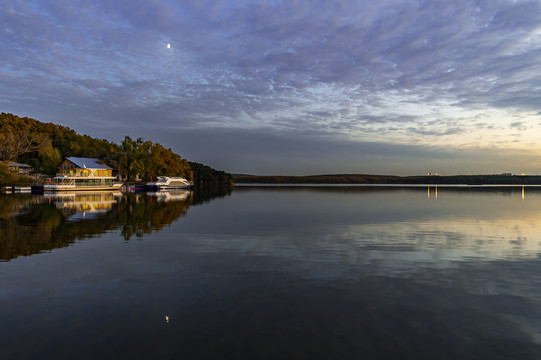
column 313, row 272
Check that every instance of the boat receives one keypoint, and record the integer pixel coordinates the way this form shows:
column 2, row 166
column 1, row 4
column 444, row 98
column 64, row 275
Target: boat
column 83, row 174
column 82, row 183
column 166, row 182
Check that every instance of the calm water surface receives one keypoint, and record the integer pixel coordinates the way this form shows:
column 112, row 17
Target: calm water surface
column 273, row 272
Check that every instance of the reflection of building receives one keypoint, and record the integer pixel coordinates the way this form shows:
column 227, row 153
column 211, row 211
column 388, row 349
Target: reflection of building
column 19, row 168
column 81, row 206
column 171, row 195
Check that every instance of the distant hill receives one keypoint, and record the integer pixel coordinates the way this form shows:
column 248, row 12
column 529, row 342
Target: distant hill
column 317, row 179
column 390, row 179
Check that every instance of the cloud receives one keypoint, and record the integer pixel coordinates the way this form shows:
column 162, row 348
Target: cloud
column 408, row 73
column 519, row 126
column 283, row 153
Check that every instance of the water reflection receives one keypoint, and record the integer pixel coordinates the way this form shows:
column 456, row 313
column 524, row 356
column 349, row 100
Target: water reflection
column 310, row 273
column 171, row 195
column 396, row 227
column 435, row 192
column 83, row 205
column 32, row 224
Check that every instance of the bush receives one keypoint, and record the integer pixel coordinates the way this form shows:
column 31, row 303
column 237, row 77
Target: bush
column 6, row 176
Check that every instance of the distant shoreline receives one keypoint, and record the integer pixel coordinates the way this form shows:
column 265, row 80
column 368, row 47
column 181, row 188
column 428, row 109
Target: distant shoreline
column 362, row 179
column 390, row 185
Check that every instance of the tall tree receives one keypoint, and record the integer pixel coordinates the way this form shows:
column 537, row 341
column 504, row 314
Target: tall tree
column 166, row 162
column 133, row 158
column 6, row 176
column 14, row 144
column 50, row 158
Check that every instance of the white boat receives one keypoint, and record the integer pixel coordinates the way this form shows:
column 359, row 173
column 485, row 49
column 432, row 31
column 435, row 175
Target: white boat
column 83, row 174
column 82, row 183
column 166, row 182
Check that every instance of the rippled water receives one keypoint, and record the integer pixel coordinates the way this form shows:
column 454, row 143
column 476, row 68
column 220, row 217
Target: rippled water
column 273, row 272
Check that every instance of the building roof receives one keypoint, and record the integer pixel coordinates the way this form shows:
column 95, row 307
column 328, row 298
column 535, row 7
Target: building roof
column 11, row 163
column 88, row 163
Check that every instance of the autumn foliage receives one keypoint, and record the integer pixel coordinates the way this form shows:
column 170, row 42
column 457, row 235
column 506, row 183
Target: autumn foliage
column 44, row 145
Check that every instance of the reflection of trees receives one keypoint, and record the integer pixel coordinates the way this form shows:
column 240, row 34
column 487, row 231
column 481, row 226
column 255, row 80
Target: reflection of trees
column 204, row 194
column 31, row 224
column 15, row 204
column 20, row 234
column 139, row 214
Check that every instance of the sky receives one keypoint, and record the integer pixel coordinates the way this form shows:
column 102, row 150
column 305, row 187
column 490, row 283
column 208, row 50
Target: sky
column 293, row 87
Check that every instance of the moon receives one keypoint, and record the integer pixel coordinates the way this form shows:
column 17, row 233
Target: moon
column 168, row 46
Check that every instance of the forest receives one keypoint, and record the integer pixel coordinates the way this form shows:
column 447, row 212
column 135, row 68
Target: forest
column 44, row 145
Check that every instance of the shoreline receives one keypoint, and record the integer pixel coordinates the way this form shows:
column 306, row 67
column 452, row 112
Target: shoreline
column 371, row 180
column 386, row 185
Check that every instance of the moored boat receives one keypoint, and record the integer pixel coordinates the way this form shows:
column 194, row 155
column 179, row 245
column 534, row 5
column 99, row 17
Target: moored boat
column 80, row 183
column 83, row 174
column 166, row 182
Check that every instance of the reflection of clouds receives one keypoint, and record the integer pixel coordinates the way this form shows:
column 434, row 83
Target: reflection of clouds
column 449, row 240
column 383, row 266
column 405, row 246
column 486, row 266
column 390, row 247
column 389, row 230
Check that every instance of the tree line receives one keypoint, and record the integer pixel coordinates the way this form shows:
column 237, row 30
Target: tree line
column 44, row 145
column 345, row 179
